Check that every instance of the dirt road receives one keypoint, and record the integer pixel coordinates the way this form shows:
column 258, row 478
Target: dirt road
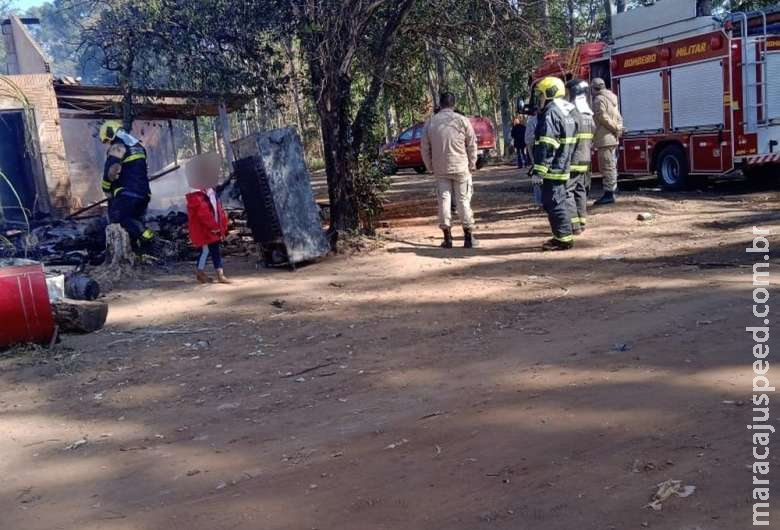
column 412, row 388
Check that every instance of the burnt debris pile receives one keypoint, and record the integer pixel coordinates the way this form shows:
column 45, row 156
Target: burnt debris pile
column 82, row 242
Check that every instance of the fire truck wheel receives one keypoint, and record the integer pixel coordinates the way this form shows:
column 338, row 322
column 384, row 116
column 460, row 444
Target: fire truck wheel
column 761, row 177
column 420, row 170
column 673, row 168
column 482, row 161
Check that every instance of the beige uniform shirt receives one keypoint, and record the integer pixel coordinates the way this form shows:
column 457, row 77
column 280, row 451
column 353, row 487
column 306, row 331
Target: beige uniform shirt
column 609, row 122
column 449, row 144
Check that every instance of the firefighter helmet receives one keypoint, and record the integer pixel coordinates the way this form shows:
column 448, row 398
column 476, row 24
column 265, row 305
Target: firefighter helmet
column 108, row 130
column 548, row 89
column 576, row 88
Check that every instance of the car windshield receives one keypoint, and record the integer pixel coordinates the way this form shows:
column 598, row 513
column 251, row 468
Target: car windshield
column 406, row 135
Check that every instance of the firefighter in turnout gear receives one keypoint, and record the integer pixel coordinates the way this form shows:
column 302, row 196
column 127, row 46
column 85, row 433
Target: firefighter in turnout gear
column 555, row 141
column 579, row 182
column 126, row 182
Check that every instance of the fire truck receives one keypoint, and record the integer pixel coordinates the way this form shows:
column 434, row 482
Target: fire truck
column 699, row 94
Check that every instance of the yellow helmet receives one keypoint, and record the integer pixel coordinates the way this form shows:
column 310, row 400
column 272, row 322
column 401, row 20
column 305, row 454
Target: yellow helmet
column 549, row 88
column 108, row 130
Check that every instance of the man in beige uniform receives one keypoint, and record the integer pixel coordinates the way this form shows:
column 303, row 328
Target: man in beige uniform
column 449, row 150
column 609, row 128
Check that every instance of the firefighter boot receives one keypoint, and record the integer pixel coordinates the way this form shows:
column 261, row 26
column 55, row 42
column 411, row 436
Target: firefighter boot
column 469, row 241
column 447, row 243
column 607, row 198
column 556, row 245
column 221, row 278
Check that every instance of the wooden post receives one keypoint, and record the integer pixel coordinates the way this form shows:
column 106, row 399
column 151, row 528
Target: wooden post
column 224, row 123
column 196, row 130
column 173, row 143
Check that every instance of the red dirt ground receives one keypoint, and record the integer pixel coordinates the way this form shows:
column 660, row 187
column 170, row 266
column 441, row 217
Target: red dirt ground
column 410, row 387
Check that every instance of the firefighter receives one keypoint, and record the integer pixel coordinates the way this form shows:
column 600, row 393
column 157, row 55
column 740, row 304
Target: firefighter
column 579, row 182
column 554, row 144
column 126, row 182
column 609, row 128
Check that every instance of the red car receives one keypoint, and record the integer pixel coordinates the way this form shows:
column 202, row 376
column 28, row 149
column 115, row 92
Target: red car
column 406, row 148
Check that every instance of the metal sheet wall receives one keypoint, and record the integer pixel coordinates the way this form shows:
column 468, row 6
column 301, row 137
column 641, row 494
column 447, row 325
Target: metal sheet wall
column 641, row 102
column 697, row 95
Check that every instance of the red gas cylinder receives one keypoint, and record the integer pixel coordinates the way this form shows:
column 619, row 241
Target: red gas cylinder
column 25, row 311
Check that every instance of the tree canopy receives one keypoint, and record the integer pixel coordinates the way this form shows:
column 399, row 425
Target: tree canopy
column 349, row 73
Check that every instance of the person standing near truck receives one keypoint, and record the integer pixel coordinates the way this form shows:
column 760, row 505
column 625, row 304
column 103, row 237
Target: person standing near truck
column 518, row 139
column 556, row 138
column 609, row 128
column 449, row 151
column 579, row 182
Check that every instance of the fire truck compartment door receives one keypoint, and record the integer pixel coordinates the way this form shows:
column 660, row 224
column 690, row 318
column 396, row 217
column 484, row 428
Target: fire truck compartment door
column 641, row 102
column 773, row 85
column 697, row 95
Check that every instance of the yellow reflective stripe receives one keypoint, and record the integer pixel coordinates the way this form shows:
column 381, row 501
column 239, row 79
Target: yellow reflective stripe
column 583, row 220
column 580, row 169
column 569, row 141
column 106, row 185
column 541, row 169
column 565, row 239
column 549, row 141
column 586, row 136
column 133, row 158
column 148, row 234
column 116, row 191
column 557, row 176
column 576, row 220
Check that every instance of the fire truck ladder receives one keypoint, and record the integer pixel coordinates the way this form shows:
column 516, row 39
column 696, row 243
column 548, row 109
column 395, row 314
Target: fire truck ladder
column 754, row 74
column 574, row 62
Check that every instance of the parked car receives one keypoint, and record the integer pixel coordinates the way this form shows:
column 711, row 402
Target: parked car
column 405, row 149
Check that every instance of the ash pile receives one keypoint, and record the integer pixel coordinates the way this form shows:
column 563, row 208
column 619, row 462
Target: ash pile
column 81, row 242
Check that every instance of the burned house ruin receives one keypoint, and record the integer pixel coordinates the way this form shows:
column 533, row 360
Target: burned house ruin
column 50, row 156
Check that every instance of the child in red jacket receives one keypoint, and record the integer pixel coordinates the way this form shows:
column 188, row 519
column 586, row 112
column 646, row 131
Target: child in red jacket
column 208, row 225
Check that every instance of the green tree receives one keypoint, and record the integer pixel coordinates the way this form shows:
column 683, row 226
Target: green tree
column 126, row 37
column 333, row 35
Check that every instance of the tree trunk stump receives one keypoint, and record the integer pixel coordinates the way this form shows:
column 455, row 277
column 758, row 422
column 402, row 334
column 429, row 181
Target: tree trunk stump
column 120, row 259
column 79, row 316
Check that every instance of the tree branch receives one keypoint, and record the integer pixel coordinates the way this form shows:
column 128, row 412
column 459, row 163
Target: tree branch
column 382, row 50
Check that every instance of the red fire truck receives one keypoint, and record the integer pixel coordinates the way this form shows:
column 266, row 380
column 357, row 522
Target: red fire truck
column 700, row 95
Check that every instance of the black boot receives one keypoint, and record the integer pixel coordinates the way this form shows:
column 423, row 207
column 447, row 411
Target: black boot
column 607, row 198
column 556, row 245
column 469, row 241
column 447, row 243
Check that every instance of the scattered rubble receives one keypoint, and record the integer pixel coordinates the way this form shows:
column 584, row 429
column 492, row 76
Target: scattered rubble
column 668, row 489
column 77, row 444
column 91, row 246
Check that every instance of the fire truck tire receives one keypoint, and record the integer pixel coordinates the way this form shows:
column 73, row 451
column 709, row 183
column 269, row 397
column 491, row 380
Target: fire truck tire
column 482, row 161
column 672, row 168
column 420, row 170
column 761, row 177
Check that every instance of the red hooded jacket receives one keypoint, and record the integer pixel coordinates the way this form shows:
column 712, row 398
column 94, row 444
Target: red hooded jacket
column 204, row 227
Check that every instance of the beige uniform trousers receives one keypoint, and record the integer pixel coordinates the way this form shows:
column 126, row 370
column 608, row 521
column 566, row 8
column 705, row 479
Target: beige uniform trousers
column 608, row 167
column 457, row 187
